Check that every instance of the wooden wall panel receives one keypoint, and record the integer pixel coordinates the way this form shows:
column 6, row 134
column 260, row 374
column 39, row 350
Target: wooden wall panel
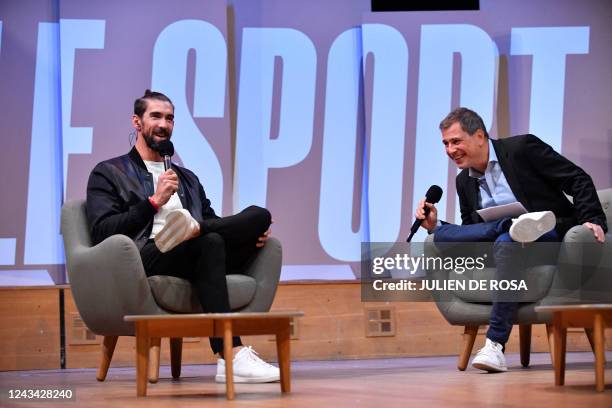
column 29, row 328
column 333, row 327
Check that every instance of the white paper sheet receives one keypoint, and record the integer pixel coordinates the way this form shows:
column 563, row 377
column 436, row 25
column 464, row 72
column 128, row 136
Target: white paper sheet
column 511, row 210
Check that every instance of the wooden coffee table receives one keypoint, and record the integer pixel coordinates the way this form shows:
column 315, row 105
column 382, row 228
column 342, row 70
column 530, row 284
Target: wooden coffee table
column 595, row 316
column 223, row 325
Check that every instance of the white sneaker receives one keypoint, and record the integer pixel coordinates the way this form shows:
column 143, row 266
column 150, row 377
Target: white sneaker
column 531, row 226
column 490, row 358
column 248, row 368
column 179, row 227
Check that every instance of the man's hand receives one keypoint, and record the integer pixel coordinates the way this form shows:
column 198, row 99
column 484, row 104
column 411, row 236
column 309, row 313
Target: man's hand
column 195, row 233
column 166, row 186
column 431, row 221
column 597, row 231
column 261, row 241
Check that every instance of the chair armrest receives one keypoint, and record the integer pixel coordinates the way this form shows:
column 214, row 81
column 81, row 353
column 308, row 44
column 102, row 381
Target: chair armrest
column 266, row 270
column 431, row 250
column 443, row 299
column 580, row 233
column 108, row 282
column 430, row 246
column 585, row 269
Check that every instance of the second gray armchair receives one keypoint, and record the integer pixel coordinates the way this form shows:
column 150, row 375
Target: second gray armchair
column 582, row 273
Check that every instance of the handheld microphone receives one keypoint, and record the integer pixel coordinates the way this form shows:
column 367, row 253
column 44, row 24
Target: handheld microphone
column 166, row 150
column 432, row 196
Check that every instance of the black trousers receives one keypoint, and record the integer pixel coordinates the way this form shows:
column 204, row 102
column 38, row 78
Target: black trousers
column 225, row 246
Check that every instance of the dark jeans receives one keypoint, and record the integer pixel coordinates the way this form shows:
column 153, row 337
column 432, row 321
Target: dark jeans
column 505, row 256
column 225, row 246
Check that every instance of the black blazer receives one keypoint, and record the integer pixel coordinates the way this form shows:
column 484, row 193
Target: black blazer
column 538, row 176
column 117, row 198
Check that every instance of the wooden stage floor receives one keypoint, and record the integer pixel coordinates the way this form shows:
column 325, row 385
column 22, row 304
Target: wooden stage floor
column 398, row 382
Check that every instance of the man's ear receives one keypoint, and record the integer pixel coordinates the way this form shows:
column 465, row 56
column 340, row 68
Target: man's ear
column 481, row 136
column 136, row 122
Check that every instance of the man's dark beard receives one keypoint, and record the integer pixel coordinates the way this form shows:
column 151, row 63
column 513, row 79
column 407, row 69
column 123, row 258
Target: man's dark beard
column 151, row 142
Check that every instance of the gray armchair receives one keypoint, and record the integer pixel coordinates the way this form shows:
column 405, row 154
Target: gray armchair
column 581, row 274
column 108, row 281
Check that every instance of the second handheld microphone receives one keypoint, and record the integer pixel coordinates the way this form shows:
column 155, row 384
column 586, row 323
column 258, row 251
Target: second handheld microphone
column 432, row 196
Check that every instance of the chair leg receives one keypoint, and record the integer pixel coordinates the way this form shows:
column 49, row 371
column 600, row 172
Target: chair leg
column 108, row 348
column 589, row 334
column 551, row 343
column 525, row 341
column 469, row 336
column 600, row 353
column 154, row 360
column 176, row 352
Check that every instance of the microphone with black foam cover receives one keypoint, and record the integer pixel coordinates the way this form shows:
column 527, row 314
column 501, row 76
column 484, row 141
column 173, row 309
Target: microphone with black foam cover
column 433, row 195
column 166, row 150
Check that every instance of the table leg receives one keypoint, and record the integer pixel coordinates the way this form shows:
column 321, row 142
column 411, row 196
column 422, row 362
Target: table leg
column 142, row 358
column 228, row 355
column 600, row 358
column 560, row 335
column 284, row 357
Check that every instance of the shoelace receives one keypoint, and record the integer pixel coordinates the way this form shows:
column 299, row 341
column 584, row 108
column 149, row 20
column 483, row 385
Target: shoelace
column 480, row 351
column 254, row 357
column 493, row 345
